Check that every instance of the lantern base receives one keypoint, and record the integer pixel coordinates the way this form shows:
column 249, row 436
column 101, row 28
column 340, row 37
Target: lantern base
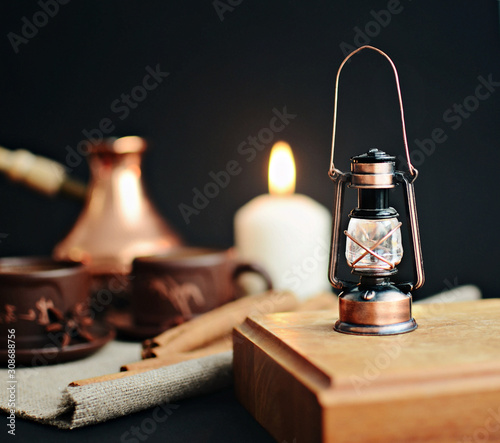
column 398, row 328
column 380, row 309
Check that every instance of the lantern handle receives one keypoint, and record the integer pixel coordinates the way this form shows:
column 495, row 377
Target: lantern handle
column 334, row 172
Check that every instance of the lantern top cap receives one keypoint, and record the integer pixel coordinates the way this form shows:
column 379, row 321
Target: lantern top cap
column 374, row 155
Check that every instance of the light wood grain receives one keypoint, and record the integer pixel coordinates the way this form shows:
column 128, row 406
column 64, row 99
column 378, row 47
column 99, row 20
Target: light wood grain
column 304, row 382
column 321, row 301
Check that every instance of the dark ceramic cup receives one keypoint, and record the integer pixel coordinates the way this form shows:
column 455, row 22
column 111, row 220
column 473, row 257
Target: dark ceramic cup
column 39, row 299
column 172, row 288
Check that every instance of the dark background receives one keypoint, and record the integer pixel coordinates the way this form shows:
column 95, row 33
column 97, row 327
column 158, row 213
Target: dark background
column 225, row 78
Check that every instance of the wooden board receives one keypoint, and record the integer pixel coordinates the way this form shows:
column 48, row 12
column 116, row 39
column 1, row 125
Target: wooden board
column 304, row 382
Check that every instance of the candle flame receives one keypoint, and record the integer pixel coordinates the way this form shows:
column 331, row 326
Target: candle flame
column 281, row 170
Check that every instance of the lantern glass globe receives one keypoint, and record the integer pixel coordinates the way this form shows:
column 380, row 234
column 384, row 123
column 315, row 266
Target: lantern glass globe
column 370, row 234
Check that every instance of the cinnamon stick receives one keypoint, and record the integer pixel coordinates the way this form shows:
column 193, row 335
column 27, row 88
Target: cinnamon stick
column 107, row 377
column 172, row 358
column 224, row 343
column 208, row 327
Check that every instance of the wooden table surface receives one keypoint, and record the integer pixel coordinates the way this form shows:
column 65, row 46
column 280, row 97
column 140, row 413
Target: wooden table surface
column 440, row 383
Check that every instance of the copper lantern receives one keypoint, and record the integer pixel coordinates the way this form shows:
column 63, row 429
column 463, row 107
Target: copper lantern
column 375, row 305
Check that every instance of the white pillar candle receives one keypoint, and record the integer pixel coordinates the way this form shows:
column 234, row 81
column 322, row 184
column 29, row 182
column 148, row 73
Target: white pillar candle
column 288, row 234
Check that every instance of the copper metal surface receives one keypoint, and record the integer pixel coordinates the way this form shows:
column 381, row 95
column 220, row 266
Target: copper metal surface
column 411, row 210
column 372, row 175
column 118, row 222
column 373, row 168
column 333, row 171
column 374, row 313
column 377, row 181
column 340, row 182
column 393, row 329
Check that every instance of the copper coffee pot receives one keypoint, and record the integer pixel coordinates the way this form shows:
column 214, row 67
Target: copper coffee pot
column 118, row 221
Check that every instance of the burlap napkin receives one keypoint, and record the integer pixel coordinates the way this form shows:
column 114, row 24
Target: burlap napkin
column 43, row 393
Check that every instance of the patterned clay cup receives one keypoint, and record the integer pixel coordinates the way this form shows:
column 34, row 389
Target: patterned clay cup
column 172, row 288
column 43, row 302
